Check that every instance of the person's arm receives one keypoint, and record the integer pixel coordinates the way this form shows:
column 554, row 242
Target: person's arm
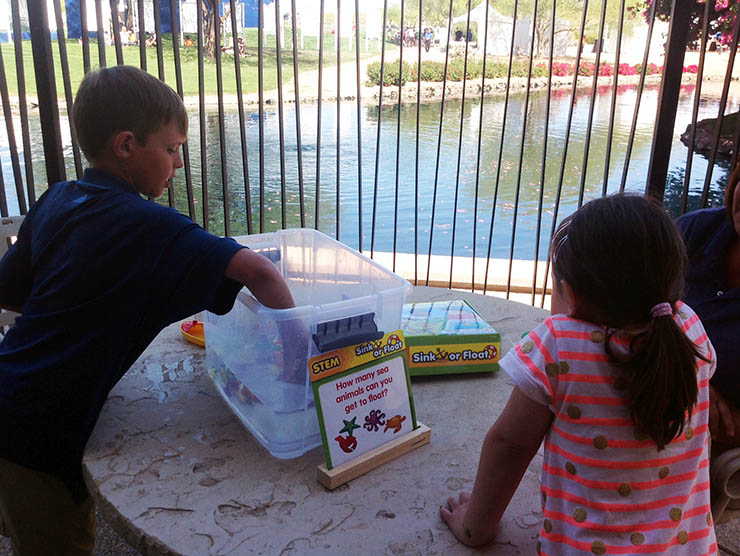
column 261, row 277
column 724, row 420
column 508, row 448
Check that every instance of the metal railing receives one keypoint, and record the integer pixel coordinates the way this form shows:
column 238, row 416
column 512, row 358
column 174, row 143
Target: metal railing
column 239, row 190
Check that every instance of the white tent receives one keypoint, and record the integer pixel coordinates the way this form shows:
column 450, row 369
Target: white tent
column 499, row 32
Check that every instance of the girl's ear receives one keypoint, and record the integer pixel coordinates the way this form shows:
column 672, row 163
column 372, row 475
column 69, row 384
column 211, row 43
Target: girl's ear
column 570, row 297
column 563, row 298
column 123, row 144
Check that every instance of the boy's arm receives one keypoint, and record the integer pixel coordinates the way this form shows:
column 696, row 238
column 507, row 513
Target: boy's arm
column 508, row 448
column 261, row 277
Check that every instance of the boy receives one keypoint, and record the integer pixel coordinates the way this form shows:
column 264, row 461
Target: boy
column 97, row 272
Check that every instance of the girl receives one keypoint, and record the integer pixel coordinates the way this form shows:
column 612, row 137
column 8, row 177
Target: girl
column 616, row 382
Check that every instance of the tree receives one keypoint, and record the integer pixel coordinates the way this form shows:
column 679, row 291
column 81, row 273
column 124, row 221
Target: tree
column 211, row 18
column 722, row 14
column 433, row 12
column 568, row 11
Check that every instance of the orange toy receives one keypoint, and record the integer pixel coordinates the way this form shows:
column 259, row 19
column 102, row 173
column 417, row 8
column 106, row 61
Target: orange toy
column 192, row 330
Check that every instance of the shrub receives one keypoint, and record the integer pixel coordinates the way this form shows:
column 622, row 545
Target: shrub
column 390, row 73
column 606, row 69
column 561, row 69
column 587, row 69
column 626, row 69
column 432, row 71
column 693, row 68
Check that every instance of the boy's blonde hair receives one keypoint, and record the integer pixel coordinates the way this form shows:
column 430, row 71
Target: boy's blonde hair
column 123, row 98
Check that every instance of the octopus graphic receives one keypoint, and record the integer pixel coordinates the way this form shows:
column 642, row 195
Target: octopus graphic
column 375, row 420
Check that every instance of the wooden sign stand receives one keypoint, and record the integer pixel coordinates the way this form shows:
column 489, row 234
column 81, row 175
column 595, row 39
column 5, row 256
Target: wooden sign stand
column 332, row 478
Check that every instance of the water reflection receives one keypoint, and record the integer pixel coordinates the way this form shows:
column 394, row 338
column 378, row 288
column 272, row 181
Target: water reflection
column 402, row 201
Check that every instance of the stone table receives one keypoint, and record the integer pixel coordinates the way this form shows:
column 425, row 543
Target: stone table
column 175, row 472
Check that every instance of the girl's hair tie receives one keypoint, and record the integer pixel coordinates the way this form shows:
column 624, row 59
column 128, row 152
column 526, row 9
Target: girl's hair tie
column 661, row 310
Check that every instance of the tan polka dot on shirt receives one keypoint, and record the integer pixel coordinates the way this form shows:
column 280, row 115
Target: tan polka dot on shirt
column 527, row 347
column 689, row 433
column 600, row 442
column 637, row 538
column 683, row 537
column 574, row 412
column 564, row 367
column 597, row 336
column 709, row 519
column 663, row 473
column 580, row 515
column 624, row 489
column 547, row 525
column 598, row 547
column 552, row 369
column 570, row 468
column 675, row 514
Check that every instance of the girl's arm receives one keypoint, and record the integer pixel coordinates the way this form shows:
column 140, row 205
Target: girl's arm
column 509, row 446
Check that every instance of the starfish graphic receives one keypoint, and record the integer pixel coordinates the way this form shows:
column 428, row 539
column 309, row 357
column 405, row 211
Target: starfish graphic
column 350, row 426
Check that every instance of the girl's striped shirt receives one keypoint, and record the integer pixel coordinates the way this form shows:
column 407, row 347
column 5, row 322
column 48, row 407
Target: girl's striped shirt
column 606, row 489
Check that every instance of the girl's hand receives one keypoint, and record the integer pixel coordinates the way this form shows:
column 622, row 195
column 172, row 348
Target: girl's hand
column 453, row 514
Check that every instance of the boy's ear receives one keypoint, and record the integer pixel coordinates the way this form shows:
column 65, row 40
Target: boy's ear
column 123, row 144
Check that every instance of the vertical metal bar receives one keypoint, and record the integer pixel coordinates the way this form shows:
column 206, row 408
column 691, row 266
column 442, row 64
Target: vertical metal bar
column 695, row 110
column 47, row 92
column 521, row 151
column 22, row 105
column 178, row 79
column 3, row 200
column 612, row 113
column 640, row 88
column 12, row 146
column 142, row 34
column 116, row 24
column 480, row 142
column 670, row 87
column 459, row 144
column 158, row 33
column 735, row 146
column 540, row 202
column 721, row 114
column 85, row 37
column 416, row 159
column 242, row 123
column 299, row 142
column 160, row 73
column 281, row 123
column 556, row 209
column 439, row 139
column 318, row 117
column 101, row 32
column 501, row 146
column 591, row 106
column 380, row 120
column 221, row 118
column 202, row 120
column 261, row 103
column 398, row 139
column 338, row 38
column 67, row 86
column 359, row 123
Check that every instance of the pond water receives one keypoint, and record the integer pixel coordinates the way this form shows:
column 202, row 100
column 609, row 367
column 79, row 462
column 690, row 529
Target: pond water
column 396, row 207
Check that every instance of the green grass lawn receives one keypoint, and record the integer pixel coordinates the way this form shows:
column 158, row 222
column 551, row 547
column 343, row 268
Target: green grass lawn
column 308, row 59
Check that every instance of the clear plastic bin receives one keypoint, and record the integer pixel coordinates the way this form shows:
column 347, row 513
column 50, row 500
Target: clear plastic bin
column 258, row 356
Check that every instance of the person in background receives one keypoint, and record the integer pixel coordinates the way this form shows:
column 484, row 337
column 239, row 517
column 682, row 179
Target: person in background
column 96, row 273
column 712, row 238
column 616, row 384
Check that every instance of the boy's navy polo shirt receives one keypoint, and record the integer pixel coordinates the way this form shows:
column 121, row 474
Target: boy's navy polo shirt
column 98, row 271
column 708, row 234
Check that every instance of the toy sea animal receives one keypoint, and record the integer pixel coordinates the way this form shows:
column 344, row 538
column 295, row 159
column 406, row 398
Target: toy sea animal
column 347, row 444
column 394, row 423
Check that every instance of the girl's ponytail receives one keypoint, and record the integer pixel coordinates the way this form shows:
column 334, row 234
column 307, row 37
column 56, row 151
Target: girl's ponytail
column 661, row 385
column 621, row 255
